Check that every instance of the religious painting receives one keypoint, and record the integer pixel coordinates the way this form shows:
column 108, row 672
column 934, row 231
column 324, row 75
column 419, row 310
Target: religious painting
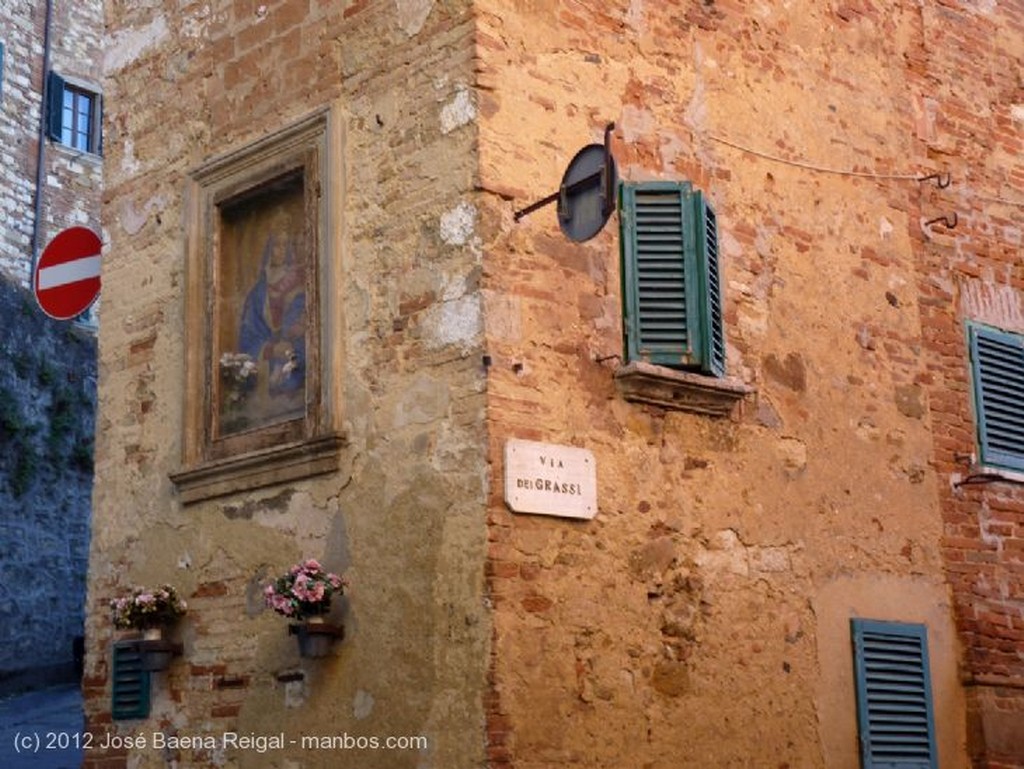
column 261, row 308
column 262, row 335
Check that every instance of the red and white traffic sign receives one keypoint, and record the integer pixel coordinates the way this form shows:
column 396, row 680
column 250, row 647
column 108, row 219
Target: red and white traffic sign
column 67, row 279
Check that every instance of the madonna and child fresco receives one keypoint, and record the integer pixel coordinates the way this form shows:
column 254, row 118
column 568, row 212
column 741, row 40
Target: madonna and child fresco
column 261, row 312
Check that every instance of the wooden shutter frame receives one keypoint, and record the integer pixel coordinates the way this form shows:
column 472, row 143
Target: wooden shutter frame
column 988, row 454
column 55, row 106
column 130, row 684
column 701, row 345
column 860, row 631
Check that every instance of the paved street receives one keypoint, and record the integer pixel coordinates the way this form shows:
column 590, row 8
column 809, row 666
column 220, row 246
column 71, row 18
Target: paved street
column 41, row 730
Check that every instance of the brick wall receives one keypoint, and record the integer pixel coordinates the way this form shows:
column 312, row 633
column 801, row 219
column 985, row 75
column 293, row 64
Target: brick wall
column 72, row 180
column 969, row 79
column 701, row 619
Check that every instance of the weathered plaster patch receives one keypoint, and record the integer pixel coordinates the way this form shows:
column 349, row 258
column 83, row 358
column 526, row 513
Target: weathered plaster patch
column 195, row 26
column 133, row 220
column 295, row 694
column 412, row 14
column 885, row 228
column 128, row 45
column 459, row 111
column 362, row 704
column 1017, row 112
column 424, row 401
column 635, row 16
column 456, row 322
column 129, row 163
column 636, row 123
column 457, row 225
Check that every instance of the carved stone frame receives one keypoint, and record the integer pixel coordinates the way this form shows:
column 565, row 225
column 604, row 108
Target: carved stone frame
column 213, row 465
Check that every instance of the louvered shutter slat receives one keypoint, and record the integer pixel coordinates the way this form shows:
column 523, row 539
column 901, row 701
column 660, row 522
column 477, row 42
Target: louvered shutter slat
column 671, row 283
column 130, row 682
column 894, row 707
column 997, row 360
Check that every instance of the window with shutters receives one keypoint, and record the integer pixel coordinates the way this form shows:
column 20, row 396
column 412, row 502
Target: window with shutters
column 74, row 114
column 894, row 697
column 997, row 371
column 673, row 320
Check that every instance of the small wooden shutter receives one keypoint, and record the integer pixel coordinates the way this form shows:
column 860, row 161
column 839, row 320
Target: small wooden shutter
column 894, row 698
column 55, row 106
column 997, row 363
column 671, row 283
column 130, row 688
column 705, row 257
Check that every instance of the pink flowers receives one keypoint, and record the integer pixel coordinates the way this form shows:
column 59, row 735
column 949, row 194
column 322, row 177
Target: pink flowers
column 305, row 590
column 145, row 608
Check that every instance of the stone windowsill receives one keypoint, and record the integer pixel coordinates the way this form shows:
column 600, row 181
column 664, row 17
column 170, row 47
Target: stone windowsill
column 279, row 464
column 679, row 390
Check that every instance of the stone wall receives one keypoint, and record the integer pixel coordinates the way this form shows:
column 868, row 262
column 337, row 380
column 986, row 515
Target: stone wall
column 702, row 618
column 47, row 397
column 72, row 180
column 401, row 516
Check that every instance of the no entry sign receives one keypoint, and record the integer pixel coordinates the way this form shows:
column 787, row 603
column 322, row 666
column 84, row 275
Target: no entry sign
column 67, row 278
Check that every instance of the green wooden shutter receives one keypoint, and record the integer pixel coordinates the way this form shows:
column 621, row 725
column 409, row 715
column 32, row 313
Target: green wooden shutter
column 894, row 697
column 55, row 106
column 130, row 688
column 671, row 284
column 997, row 368
column 705, row 256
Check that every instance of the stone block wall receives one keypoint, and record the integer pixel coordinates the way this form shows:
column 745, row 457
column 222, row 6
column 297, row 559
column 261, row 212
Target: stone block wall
column 401, row 516
column 47, row 398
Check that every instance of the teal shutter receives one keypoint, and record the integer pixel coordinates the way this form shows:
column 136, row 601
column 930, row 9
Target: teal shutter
column 997, row 368
column 671, row 284
column 894, row 697
column 130, row 687
column 705, row 258
column 55, row 106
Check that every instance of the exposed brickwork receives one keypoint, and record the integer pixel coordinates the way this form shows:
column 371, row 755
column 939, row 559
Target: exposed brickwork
column 700, row 620
column 969, row 78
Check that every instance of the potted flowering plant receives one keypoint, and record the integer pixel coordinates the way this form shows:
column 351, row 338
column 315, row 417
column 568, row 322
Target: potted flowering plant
column 146, row 609
column 150, row 611
column 304, row 594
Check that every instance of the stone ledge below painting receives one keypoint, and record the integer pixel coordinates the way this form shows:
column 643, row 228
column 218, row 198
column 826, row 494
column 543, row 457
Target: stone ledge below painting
column 289, row 462
column 679, row 390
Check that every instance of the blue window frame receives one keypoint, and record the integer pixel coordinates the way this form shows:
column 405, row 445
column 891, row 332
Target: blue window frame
column 894, row 695
column 997, row 372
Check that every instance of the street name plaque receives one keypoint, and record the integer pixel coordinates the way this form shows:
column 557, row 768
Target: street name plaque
column 547, row 479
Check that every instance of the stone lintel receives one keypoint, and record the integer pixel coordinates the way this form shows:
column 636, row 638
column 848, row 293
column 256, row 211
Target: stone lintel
column 278, row 464
column 668, row 388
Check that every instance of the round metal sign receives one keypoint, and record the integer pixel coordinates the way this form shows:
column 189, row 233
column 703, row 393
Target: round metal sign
column 585, row 196
column 67, row 277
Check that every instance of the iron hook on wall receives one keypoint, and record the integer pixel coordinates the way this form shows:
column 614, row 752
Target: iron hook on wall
column 941, row 180
column 949, row 221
